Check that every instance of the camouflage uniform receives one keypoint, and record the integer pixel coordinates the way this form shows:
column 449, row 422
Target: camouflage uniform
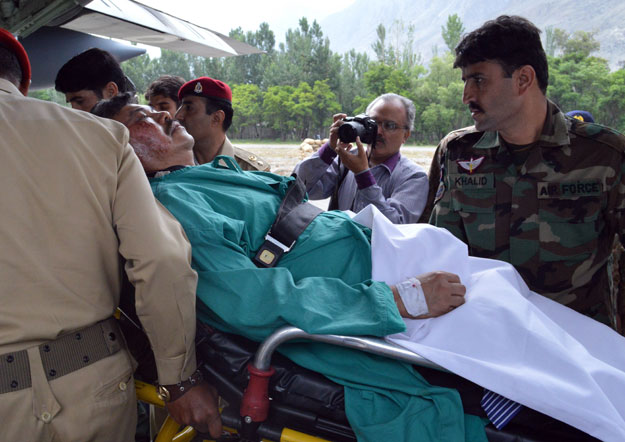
column 553, row 217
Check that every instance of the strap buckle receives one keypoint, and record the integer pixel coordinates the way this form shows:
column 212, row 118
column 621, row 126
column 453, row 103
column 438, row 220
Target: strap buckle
column 285, row 249
column 271, row 251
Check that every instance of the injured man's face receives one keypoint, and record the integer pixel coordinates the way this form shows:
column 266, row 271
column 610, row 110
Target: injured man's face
column 158, row 140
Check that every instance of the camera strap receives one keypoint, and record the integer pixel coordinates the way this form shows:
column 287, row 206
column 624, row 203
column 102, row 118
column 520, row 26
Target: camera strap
column 294, row 215
column 334, row 199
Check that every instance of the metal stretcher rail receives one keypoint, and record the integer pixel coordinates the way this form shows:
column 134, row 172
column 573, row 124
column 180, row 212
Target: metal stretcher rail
column 255, row 402
column 262, row 360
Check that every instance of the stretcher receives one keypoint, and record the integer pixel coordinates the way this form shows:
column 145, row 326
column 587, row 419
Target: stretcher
column 264, row 396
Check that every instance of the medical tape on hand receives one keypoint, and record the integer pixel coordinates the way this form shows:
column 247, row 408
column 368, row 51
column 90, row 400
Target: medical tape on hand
column 411, row 294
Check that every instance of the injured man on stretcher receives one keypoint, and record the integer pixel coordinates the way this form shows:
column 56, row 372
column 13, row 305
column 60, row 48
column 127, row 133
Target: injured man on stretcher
column 366, row 276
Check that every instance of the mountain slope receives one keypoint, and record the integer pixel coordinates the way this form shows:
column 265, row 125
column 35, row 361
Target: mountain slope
column 355, row 26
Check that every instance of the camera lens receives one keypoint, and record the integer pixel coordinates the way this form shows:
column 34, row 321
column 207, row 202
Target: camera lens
column 349, row 131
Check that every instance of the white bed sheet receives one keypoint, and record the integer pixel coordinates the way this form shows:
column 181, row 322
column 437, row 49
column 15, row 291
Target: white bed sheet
column 505, row 337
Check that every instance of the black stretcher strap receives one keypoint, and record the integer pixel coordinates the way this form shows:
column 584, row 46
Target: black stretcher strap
column 293, row 217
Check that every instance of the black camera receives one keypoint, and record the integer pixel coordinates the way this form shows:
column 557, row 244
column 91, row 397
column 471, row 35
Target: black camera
column 361, row 126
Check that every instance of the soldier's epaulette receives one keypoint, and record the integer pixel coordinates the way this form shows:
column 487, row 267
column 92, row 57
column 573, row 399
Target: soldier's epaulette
column 601, row 134
column 252, row 160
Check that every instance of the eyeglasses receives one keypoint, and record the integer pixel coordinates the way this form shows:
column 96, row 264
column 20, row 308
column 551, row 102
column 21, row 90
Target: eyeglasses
column 390, row 126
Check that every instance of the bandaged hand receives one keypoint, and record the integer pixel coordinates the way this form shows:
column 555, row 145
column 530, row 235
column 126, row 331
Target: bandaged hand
column 429, row 295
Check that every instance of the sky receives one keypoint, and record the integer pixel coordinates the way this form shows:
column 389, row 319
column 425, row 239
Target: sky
column 249, row 14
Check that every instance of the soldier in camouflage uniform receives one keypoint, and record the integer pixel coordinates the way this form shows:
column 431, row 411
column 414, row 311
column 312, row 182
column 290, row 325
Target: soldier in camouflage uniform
column 526, row 184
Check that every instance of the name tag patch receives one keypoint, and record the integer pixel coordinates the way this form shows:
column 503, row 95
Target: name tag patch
column 475, row 181
column 570, row 189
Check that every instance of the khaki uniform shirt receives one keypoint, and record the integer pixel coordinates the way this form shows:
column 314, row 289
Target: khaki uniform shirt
column 74, row 198
column 553, row 218
column 246, row 160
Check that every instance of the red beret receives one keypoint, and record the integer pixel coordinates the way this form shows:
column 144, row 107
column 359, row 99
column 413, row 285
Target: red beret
column 206, row 87
column 8, row 41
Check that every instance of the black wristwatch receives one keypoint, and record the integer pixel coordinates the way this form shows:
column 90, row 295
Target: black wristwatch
column 169, row 393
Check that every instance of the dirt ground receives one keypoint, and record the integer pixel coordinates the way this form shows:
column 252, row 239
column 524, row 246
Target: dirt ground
column 284, row 157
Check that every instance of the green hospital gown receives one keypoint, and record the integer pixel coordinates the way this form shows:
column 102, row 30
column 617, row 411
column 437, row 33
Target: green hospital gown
column 322, row 285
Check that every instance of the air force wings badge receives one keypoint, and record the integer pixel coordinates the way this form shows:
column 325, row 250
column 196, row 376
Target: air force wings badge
column 470, row 165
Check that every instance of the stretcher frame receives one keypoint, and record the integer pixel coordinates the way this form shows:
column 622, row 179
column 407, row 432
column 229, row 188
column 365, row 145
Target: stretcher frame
column 253, row 422
column 255, row 403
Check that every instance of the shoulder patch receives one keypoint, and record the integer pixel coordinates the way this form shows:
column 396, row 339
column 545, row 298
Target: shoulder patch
column 599, row 133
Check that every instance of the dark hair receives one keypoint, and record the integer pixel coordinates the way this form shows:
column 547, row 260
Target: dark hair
column 215, row 104
column 111, row 107
column 167, row 86
column 511, row 41
column 10, row 68
column 90, row 70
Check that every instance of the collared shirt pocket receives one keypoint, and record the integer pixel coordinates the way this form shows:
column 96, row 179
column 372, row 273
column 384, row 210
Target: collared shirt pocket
column 476, row 208
column 569, row 228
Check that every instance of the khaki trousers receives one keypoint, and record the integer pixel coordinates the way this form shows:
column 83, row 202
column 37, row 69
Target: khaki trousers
column 96, row 403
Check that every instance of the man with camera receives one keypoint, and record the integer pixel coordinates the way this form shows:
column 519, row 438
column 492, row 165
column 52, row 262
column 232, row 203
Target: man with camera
column 378, row 175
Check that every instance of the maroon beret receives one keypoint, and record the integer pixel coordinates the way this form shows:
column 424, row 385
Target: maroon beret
column 8, row 41
column 206, row 87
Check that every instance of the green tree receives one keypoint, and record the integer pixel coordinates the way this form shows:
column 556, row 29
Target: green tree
column 249, row 68
column 396, row 48
column 379, row 46
column 398, row 82
column 174, row 63
column 578, row 83
column 292, row 91
column 304, row 57
column 302, row 110
column 560, row 37
column 49, row 94
column 375, row 80
column 143, row 70
column 140, row 70
column 452, row 31
column 438, row 99
column 611, row 105
column 581, row 43
column 550, row 41
column 555, row 38
column 324, row 105
column 265, row 40
column 247, row 105
column 278, row 112
column 352, row 80
column 211, row 67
